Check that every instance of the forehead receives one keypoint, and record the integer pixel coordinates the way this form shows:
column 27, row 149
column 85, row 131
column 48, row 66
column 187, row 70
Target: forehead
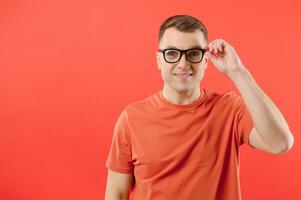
column 182, row 40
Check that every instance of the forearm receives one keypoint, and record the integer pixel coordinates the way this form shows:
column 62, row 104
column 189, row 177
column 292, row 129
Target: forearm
column 268, row 120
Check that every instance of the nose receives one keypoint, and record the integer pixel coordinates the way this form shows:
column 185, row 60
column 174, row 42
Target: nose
column 183, row 62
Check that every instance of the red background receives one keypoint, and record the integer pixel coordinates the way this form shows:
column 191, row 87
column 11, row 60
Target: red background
column 68, row 68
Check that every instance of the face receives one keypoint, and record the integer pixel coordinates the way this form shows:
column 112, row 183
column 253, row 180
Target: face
column 171, row 72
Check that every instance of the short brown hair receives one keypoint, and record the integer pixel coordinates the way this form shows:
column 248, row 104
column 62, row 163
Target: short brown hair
column 184, row 23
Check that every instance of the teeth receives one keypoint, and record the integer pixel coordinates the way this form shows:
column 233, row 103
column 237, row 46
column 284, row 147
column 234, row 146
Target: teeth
column 182, row 74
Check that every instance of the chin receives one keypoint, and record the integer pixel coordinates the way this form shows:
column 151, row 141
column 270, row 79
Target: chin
column 183, row 89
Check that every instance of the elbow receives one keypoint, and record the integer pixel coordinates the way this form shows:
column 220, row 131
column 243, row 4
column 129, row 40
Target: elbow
column 289, row 142
column 286, row 145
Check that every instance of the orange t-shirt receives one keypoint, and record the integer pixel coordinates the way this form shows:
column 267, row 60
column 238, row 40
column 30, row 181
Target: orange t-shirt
column 179, row 152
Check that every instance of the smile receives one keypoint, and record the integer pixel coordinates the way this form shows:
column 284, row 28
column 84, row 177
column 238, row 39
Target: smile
column 182, row 74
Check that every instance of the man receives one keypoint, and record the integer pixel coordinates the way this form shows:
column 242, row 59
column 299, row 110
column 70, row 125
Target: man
column 182, row 143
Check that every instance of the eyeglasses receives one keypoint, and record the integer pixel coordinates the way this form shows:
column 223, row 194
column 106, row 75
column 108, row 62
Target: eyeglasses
column 174, row 55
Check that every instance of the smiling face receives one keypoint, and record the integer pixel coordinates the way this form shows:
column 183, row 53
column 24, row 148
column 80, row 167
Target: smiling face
column 183, row 76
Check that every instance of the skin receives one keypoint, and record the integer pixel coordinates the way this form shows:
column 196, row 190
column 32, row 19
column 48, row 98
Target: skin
column 176, row 90
column 270, row 133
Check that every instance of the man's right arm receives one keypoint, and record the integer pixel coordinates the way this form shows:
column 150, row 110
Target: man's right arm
column 118, row 185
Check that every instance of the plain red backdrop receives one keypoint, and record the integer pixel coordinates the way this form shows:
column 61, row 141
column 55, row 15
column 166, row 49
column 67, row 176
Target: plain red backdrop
column 68, row 68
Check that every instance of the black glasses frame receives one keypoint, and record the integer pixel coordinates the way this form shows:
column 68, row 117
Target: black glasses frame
column 181, row 53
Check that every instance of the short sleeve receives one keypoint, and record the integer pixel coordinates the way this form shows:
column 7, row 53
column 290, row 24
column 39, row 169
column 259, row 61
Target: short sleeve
column 120, row 155
column 242, row 120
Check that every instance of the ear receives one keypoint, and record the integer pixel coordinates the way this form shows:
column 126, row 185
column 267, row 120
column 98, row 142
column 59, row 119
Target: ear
column 206, row 59
column 158, row 60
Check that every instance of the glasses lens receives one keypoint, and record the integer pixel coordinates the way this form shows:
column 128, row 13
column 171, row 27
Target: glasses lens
column 172, row 55
column 195, row 55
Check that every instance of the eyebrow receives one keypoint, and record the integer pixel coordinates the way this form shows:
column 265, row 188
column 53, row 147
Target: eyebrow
column 193, row 47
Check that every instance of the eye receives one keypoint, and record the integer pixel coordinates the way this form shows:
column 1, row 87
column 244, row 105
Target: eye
column 194, row 53
column 172, row 53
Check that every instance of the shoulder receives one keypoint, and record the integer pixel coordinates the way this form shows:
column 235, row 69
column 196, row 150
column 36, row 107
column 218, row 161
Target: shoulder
column 140, row 105
column 225, row 99
column 228, row 95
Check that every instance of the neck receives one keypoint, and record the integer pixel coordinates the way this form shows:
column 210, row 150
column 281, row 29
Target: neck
column 182, row 98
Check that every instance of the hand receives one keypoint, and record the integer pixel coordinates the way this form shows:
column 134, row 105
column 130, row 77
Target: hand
column 224, row 57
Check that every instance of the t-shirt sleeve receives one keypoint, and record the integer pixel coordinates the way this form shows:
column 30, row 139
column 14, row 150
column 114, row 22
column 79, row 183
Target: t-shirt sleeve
column 120, row 155
column 242, row 120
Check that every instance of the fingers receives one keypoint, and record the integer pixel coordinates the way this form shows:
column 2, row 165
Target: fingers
column 211, row 55
column 217, row 47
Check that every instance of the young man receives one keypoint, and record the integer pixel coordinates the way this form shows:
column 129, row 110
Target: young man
column 183, row 141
